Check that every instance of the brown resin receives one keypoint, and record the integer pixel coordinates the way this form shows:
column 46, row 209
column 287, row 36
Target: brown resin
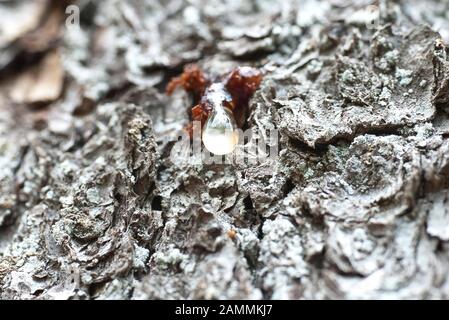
column 234, row 91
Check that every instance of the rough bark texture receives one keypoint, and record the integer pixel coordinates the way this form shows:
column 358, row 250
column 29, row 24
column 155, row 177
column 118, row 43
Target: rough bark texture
column 355, row 206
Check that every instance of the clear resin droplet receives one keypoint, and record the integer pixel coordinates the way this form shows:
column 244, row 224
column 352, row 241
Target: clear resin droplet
column 220, row 134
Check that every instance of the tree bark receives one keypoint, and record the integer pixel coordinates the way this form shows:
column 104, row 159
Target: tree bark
column 354, row 206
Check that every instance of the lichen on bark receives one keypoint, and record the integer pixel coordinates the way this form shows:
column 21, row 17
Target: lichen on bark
column 354, row 206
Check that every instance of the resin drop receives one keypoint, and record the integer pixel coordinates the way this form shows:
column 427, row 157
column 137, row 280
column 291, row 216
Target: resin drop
column 219, row 133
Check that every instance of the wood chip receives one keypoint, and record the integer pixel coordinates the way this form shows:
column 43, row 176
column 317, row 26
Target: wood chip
column 40, row 83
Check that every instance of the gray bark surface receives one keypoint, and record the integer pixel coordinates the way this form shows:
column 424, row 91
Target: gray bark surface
column 356, row 205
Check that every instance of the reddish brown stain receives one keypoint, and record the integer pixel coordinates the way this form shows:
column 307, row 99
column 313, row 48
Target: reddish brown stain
column 232, row 234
